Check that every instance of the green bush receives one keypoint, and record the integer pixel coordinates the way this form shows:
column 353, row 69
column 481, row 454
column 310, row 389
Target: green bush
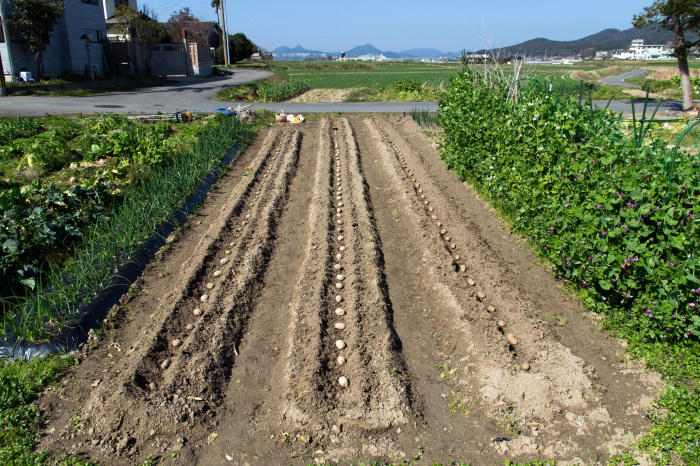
column 19, row 127
column 674, row 83
column 40, row 225
column 601, row 209
column 407, row 85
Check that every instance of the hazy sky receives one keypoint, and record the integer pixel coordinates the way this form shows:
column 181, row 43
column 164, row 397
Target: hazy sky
column 447, row 25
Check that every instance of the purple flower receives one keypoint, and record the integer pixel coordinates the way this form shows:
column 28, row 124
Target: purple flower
column 576, row 177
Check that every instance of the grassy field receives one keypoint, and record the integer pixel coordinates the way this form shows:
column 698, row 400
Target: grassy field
column 353, row 75
column 374, row 80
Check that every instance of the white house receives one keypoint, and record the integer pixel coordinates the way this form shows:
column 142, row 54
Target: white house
column 67, row 52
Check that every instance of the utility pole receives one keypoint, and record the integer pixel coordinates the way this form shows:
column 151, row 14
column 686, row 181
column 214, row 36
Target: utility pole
column 223, row 27
column 3, row 85
column 3, row 88
column 91, row 73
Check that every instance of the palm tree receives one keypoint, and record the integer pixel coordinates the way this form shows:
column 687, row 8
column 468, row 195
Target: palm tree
column 215, row 4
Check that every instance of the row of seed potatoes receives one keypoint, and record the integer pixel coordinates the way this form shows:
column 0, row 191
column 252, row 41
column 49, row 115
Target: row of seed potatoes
column 338, row 266
column 212, row 243
column 450, row 243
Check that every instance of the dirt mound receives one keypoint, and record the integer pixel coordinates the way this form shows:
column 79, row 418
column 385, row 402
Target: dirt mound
column 341, row 296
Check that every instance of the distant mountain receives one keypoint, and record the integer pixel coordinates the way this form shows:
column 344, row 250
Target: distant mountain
column 367, row 49
column 297, row 49
column 299, row 53
column 608, row 39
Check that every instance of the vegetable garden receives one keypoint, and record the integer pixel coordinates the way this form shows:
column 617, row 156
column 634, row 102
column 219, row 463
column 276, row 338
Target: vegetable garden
column 338, row 276
column 80, row 196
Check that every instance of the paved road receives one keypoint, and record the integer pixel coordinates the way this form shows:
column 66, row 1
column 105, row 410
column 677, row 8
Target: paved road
column 195, row 94
column 620, row 79
column 188, row 93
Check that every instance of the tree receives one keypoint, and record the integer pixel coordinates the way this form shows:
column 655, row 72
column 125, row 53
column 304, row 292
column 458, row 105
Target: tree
column 679, row 16
column 197, row 31
column 216, row 4
column 148, row 31
column 588, row 53
column 240, row 47
column 35, row 20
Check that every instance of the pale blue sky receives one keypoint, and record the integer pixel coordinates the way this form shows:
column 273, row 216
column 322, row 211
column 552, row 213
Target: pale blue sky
column 448, row 25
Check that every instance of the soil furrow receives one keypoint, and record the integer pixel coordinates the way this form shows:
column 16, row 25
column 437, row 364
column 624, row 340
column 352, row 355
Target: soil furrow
column 189, row 314
column 528, row 379
column 174, row 404
column 384, row 397
column 256, row 395
column 307, row 391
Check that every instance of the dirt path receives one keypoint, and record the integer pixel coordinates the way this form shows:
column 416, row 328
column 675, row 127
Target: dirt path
column 346, row 299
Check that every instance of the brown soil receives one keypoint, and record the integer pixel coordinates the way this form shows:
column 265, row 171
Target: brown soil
column 349, row 238
column 323, row 95
column 667, row 72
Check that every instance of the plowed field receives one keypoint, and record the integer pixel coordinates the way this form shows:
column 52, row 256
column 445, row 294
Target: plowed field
column 340, row 296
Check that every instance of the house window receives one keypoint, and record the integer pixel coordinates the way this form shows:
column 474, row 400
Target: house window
column 15, row 35
column 121, row 3
column 95, row 35
column 91, row 2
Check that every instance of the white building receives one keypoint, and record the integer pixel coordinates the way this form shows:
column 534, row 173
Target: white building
column 366, row 57
column 66, row 53
column 640, row 51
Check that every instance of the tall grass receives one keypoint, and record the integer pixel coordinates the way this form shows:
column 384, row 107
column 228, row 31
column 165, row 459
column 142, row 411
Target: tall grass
column 46, row 310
